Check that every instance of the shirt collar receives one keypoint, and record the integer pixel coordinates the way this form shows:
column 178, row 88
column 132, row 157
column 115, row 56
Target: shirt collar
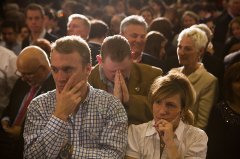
column 138, row 59
column 152, row 131
column 41, row 36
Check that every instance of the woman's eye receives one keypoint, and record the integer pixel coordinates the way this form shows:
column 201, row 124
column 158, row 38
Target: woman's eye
column 170, row 105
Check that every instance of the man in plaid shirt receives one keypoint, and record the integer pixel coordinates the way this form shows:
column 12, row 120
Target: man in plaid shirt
column 75, row 120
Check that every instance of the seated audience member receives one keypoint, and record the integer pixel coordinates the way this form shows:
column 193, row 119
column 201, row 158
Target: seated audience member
column 133, row 7
column 155, row 46
column 191, row 47
column 75, row 120
column 98, row 32
column 158, row 7
column 233, row 35
column 129, row 82
column 24, row 32
column 115, row 24
column 164, row 26
column 224, row 121
column 134, row 29
column 188, row 19
column 10, row 36
column 34, row 69
column 7, row 75
column 35, row 21
column 147, row 14
column 170, row 134
column 231, row 59
column 79, row 25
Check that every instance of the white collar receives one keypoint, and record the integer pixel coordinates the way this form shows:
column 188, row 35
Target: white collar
column 152, row 131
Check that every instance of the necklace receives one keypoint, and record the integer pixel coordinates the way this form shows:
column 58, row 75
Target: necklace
column 162, row 145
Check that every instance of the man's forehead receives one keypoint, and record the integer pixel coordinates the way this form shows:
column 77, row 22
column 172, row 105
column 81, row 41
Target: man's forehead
column 113, row 65
column 135, row 28
column 33, row 13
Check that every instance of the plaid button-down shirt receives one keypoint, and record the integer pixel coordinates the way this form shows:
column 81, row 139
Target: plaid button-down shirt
column 97, row 130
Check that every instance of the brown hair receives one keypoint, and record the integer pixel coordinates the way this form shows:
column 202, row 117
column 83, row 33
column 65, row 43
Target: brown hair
column 34, row 6
column 154, row 40
column 232, row 74
column 171, row 84
column 69, row 44
column 116, row 47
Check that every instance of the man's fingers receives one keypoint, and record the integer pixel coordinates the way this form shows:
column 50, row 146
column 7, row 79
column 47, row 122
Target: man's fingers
column 117, row 92
column 73, row 80
column 78, row 87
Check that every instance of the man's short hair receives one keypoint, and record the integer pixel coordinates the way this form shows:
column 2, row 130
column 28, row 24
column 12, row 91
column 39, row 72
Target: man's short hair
column 34, row 6
column 116, row 47
column 80, row 17
column 133, row 20
column 98, row 29
column 70, row 44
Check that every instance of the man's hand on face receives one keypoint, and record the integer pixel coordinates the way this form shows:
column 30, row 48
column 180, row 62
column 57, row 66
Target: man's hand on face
column 70, row 97
column 125, row 94
column 117, row 90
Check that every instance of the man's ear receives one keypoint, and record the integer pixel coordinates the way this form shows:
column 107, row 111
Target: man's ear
column 99, row 59
column 89, row 69
column 132, row 55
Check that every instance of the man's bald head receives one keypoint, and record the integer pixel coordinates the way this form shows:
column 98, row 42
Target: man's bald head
column 32, row 56
column 33, row 65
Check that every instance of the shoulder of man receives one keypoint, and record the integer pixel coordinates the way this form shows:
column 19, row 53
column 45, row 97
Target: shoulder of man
column 147, row 69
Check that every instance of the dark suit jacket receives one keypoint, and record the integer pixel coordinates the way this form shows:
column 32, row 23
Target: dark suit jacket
column 166, row 65
column 220, row 33
column 95, row 50
column 221, row 28
column 216, row 67
column 51, row 38
column 150, row 60
column 9, row 147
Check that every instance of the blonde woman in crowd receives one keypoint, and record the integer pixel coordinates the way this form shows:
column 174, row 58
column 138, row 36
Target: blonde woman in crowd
column 170, row 134
column 190, row 50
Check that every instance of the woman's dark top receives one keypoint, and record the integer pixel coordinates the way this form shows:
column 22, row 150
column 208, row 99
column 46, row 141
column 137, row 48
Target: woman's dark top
column 223, row 133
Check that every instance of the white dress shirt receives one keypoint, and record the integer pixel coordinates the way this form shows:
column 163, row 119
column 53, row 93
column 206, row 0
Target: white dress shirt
column 144, row 142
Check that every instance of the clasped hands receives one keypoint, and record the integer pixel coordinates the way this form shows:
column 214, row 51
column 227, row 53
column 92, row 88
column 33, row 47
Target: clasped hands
column 120, row 88
column 165, row 130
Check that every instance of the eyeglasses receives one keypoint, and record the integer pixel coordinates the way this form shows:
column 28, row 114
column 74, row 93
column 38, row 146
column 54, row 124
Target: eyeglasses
column 29, row 74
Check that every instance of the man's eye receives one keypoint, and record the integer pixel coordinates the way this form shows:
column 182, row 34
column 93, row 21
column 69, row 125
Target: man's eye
column 158, row 101
column 134, row 35
column 67, row 70
column 54, row 70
